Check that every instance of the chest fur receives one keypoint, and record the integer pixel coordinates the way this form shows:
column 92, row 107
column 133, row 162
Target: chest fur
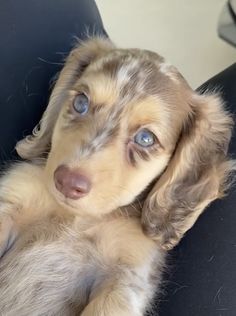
column 65, row 260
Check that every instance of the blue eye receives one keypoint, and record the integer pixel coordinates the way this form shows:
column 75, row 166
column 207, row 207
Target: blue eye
column 144, row 138
column 81, row 104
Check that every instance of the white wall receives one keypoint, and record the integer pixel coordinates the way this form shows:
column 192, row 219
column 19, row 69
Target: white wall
column 183, row 31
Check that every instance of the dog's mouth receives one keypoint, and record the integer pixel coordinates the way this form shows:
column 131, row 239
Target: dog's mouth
column 66, row 201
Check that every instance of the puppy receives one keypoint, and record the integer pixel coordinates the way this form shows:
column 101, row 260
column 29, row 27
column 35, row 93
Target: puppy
column 125, row 159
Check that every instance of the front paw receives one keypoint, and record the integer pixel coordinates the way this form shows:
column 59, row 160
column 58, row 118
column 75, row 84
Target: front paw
column 8, row 234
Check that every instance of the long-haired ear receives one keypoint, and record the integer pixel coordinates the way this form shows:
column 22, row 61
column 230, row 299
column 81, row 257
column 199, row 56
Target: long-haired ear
column 33, row 146
column 197, row 174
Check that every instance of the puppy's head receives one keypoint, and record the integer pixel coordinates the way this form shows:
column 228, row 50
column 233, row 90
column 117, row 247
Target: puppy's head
column 119, row 120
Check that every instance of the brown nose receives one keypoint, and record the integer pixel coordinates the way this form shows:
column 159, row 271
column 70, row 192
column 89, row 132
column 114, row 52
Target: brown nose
column 71, row 183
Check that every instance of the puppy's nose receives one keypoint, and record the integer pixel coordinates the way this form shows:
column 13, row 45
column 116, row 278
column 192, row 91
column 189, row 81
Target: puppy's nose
column 71, row 183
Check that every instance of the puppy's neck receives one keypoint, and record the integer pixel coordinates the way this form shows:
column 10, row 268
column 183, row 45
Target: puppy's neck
column 132, row 210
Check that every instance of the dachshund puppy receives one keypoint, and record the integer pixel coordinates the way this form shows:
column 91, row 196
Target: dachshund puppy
column 125, row 159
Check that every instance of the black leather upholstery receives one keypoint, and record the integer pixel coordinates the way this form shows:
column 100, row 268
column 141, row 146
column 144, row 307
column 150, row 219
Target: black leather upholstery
column 34, row 38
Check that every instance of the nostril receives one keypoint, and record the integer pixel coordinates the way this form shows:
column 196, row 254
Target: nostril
column 79, row 183
column 71, row 183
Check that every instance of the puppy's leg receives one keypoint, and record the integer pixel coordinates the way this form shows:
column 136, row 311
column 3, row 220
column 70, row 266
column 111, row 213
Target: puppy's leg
column 129, row 291
column 115, row 299
column 22, row 197
column 8, row 231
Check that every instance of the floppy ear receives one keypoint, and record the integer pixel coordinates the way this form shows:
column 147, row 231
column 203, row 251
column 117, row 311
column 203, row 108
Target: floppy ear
column 38, row 143
column 196, row 175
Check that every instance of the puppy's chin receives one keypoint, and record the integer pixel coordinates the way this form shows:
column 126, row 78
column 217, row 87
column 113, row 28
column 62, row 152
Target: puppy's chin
column 84, row 206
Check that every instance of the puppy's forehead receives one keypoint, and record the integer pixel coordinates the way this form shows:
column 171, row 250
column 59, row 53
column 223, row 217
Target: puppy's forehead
column 129, row 89
column 122, row 75
column 134, row 73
